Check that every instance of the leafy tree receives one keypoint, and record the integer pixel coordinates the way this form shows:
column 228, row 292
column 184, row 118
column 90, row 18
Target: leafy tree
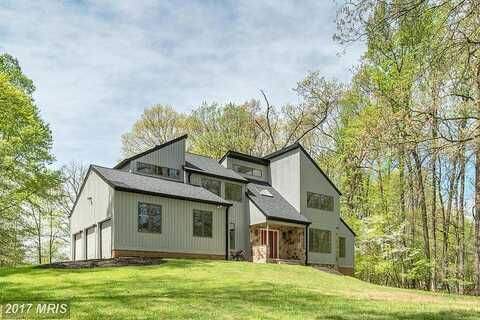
column 25, row 144
column 157, row 125
column 10, row 66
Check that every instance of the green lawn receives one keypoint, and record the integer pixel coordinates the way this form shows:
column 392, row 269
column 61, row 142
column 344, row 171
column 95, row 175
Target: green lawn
column 195, row 289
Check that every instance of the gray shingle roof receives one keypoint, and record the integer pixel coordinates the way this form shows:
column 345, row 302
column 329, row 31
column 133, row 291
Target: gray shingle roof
column 276, row 207
column 202, row 164
column 130, row 182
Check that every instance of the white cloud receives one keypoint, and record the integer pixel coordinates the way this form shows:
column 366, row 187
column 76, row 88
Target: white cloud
column 97, row 65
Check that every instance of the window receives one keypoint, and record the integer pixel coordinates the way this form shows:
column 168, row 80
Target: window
column 146, row 168
column 173, row 173
column 341, row 247
column 232, row 236
column 319, row 201
column 247, row 170
column 211, row 185
column 202, row 223
column 152, row 169
column 149, row 218
column 233, row 192
column 319, row 241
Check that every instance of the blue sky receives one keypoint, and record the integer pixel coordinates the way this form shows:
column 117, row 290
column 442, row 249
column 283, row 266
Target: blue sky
column 97, row 65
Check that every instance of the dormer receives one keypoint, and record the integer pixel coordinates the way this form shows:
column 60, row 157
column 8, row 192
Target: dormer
column 247, row 166
column 164, row 161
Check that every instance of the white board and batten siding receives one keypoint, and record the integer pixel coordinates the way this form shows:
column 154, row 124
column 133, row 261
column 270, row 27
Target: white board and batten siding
column 177, row 226
column 91, row 243
column 95, row 204
column 170, row 156
column 236, row 213
column 78, row 252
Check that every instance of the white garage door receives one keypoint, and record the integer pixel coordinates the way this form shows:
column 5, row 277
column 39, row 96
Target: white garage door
column 91, row 252
column 106, row 237
column 77, row 250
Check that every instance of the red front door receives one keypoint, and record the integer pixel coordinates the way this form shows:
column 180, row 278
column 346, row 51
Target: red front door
column 269, row 238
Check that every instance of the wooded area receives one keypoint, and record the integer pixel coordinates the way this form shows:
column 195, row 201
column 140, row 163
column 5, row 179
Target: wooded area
column 400, row 140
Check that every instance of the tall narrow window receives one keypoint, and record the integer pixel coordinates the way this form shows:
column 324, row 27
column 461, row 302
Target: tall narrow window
column 319, row 201
column 342, row 244
column 214, row 186
column 202, row 223
column 319, row 240
column 233, row 192
column 232, row 236
column 149, row 217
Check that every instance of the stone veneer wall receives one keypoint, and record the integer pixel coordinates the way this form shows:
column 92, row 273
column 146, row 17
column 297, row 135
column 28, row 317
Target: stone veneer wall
column 291, row 241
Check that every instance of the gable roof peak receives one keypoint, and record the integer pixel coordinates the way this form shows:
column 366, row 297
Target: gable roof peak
column 293, row 146
column 157, row 147
column 298, row 145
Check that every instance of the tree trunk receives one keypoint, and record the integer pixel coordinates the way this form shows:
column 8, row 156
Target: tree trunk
column 477, row 220
column 50, row 240
column 423, row 210
column 434, row 219
column 403, row 216
column 461, row 223
column 434, row 191
column 477, row 192
column 447, row 219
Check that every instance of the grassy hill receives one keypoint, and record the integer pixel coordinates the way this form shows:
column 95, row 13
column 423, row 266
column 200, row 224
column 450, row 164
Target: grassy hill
column 228, row 290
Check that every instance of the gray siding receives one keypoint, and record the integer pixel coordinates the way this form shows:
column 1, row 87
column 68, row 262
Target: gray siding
column 237, row 213
column 349, row 260
column 87, row 213
column 170, row 156
column 256, row 216
column 313, row 181
column 177, row 226
column 285, row 177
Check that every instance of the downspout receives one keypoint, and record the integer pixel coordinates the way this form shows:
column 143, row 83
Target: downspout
column 226, row 233
column 306, row 244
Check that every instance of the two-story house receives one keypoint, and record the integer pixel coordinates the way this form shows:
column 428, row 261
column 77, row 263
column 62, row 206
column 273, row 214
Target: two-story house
column 166, row 202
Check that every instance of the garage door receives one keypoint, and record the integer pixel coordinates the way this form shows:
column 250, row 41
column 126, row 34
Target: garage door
column 106, row 238
column 91, row 252
column 77, row 249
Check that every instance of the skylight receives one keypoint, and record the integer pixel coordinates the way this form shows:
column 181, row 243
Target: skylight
column 266, row 193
